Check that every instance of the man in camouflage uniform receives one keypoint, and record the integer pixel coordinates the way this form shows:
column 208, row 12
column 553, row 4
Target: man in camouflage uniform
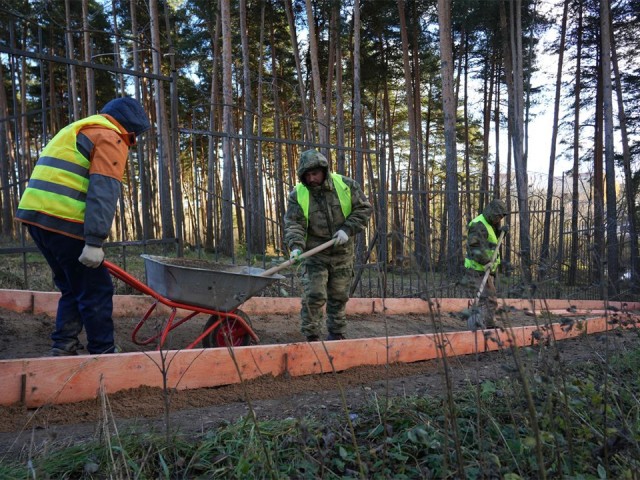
column 323, row 206
column 482, row 238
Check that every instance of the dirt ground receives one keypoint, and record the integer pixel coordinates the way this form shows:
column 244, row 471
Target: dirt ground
column 27, row 336
column 194, row 411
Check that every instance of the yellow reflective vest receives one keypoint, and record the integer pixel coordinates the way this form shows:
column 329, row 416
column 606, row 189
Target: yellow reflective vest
column 55, row 197
column 342, row 189
column 493, row 242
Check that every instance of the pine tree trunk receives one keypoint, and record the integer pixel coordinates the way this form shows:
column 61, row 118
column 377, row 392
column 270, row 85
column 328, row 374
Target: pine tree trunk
column 454, row 244
column 306, row 120
column 612, row 245
column 212, row 208
column 323, row 127
column 6, row 199
column 573, row 257
column 512, row 35
column 598, row 252
column 340, row 137
column 226, row 239
column 278, row 171
column 162, row 132
column 142, row 221
column 357, row 119
column 86, row 35
column 544, row 252
column 254, row 239
column 259, row 216
column 634, row 264
column 72, row 68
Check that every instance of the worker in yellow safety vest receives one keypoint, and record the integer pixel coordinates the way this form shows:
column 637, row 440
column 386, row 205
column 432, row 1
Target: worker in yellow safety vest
column 324, row 206
column 68, row 207
column 482, row 241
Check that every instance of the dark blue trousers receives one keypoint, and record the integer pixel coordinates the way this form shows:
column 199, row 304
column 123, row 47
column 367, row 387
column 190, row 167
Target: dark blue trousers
column 87, row 294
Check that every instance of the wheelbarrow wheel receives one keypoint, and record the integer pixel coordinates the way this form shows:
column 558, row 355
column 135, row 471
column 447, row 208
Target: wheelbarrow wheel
column 230, row 332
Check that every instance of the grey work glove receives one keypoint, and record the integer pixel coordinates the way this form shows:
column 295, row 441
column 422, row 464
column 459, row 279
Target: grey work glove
column 505, row 229
column 91, row 256
column 341, row 237
column 295, row 255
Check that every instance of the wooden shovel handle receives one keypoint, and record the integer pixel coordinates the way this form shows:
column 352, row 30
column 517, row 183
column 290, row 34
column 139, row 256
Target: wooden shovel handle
column 306, row 254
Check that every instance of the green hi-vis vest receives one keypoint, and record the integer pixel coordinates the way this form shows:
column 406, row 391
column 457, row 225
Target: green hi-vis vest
column 493, row 240
column 342, row 189
column 60, row 180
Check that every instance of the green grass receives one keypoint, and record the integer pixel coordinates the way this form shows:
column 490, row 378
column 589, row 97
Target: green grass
column 588, row 421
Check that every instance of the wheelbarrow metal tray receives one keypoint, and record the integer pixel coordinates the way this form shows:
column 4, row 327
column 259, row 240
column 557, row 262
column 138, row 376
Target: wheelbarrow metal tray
column 204, row 284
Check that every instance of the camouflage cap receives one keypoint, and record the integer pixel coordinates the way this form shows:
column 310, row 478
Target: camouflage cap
column 309, row 160
column 494, row 210
column 498, row 206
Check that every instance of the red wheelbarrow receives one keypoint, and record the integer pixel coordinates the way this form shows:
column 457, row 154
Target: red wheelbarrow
column 192, row 286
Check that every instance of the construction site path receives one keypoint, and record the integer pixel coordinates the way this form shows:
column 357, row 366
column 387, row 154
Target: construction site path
column 194, row 411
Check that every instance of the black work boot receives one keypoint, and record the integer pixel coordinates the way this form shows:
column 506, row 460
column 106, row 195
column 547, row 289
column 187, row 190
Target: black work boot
column 491, row 323
column 335, row 336
column 312, row 338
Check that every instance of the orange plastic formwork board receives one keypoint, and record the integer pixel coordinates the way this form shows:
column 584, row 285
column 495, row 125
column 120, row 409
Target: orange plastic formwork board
column 27, row 301
column 39, row 381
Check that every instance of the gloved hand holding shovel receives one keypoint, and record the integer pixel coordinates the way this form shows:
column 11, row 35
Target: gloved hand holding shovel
column 475, row 320
column 297, row 257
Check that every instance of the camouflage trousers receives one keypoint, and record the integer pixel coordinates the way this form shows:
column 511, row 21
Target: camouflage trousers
column 488, row 303
column 327, row 281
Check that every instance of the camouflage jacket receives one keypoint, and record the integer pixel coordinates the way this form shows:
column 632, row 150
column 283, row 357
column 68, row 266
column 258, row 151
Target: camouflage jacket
column 325, row 212
column 479, row 248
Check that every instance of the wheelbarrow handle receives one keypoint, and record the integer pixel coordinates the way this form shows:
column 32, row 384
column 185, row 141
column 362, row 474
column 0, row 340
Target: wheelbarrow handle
column 306, row 254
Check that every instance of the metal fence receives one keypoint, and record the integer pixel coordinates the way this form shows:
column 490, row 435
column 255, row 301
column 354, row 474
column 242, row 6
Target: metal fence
column 403, row 276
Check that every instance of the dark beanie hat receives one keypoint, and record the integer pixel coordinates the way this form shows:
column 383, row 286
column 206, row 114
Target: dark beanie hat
column 129, row 113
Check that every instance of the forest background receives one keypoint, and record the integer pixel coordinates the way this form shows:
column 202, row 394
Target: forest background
column 426, row 103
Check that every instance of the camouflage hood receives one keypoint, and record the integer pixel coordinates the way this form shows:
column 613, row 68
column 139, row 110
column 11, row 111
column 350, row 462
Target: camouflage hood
column 309, row 160
column 494, row 210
